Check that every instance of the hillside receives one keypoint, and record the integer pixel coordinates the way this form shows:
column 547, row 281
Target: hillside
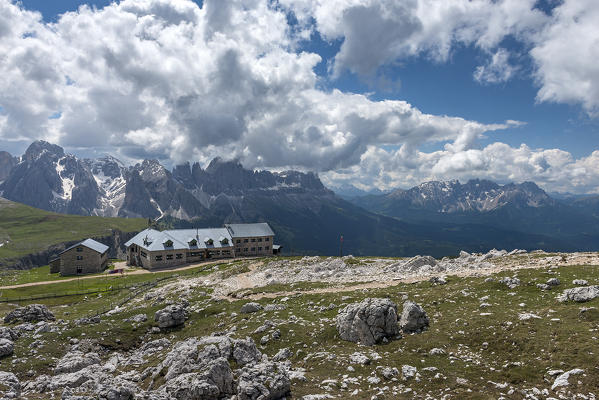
column 271, row 326
column 25, row 230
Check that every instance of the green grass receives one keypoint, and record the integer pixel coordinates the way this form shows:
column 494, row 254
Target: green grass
column 480, row 348
column 25, row 230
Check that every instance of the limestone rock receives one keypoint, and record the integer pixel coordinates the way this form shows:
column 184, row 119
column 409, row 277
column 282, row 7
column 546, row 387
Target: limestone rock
column 553, row 282
column 75, row 361
column 249, row 308
column 245, row 352
column 171, row 316
column 580, row 282
column 264, row 381
column 368, row 322
column 510, row 282
column 562, row 380
column 7, row 347
column 213, row 382
column 580, row 294
column 413, row 318
column 10, row 387
column 29, row 313
column 8, row 333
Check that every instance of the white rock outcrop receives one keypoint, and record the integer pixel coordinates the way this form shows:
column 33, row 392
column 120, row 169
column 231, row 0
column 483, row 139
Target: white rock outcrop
column 368, row 322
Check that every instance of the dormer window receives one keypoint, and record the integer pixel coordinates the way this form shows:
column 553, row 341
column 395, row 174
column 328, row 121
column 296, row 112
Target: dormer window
column 168, row 243
column 224, row 240
column 193, row 242
column 208, row 241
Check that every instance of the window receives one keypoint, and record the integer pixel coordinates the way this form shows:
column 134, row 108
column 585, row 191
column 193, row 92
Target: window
column 79, row 269
column 179, row 256
column 253, row 249
column 158, row 258
column 194, row 254
column 238, row 240
column 169, row 256
column 246, row 249
column 266, row 248
column 245, row 240
column 267, row 239
column 253, row 240
column 143, row 254
column 79, row 257
column 259, row 239
column 79, row 249
column 226, row 252
column 259, row 248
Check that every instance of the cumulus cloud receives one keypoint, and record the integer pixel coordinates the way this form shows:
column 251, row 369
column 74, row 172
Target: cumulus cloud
column 552, row 169
column 566, row 54
column 378, row 32
column 171, row 80
column 497, row 70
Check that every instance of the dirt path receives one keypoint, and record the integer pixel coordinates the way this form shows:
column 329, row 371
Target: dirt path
column 371, row 284
column 120, row 264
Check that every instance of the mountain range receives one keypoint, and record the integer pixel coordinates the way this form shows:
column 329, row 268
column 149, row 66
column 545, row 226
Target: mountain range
column 437, row 218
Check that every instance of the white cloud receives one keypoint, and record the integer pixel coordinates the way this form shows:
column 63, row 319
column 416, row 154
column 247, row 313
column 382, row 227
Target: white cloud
column 552, row 169
column 566, row 54
column 497, row 69
column 168, row 79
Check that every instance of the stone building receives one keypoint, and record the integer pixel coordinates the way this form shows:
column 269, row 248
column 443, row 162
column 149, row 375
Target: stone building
column 86, row 257
column 152, row 249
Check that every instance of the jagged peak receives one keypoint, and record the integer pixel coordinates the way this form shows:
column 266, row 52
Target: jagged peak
column 39, row 147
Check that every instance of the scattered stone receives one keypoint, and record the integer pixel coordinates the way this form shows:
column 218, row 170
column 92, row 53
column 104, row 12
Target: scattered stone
column 436, row 352
column 438, row 280
column 409, row 372
column 213, row 382
column 75, row 361
column 580, row 294
column 7, row 347
column 10, row 387
column 510, row 282
column 275, row 307
column 249, row 308
column 527, row 316
column 553, row 282
column 359, row 358
column 138, row 318
column 390, row 373
column 245, row 352
column 368, row 322
column 562, row 380
column 543, row 286
column 29, row 313
column 580, row 282
column 413, row 318
column 283, row 354
column 171, row 316
column 87, row 321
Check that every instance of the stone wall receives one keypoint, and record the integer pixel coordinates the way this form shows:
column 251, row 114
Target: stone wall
column 262, row 246
column 82, row 260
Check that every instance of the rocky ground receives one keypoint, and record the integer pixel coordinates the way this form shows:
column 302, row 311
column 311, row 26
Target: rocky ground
column 494, row 325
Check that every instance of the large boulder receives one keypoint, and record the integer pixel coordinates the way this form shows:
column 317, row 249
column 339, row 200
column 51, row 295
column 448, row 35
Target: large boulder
column 250, row 308
column 7, row 347
column 75, row 361
column 8, row 333
column 214, row 381
column 264, row 381
column 245, row 352
column 171, row 316
column 10, row 387
column 368, row 322
column 30, row 313
column 413, row 318
column 580, row 294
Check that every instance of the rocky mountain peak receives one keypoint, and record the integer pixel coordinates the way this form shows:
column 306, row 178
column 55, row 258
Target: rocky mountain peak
column 40, row 147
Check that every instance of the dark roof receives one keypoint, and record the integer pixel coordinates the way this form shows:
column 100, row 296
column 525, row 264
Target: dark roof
column 90, row 244
column 250, row 230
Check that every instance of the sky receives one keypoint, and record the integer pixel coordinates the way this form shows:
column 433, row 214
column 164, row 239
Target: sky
column 371, row 93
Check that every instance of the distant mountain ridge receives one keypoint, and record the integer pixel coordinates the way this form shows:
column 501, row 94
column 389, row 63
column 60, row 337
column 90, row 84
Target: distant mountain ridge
column 307, row 217
column 520, row 207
